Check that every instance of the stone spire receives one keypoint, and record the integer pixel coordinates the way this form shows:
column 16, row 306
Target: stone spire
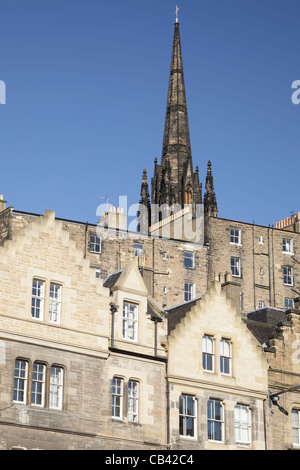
column 175, row 181
column 210, row 200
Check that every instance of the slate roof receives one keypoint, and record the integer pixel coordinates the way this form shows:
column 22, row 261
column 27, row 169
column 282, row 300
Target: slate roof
column 112, row 278
column 263, row 323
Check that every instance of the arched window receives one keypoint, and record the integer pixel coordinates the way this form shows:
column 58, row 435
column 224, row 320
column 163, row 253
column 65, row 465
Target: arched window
column 188, row 195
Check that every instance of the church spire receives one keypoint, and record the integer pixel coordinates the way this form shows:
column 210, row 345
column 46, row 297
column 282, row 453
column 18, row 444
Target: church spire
column 176, row 141
column 175, row 181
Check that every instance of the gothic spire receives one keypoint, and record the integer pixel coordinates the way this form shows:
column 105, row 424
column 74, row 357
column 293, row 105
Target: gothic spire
column 176, row 149
column 176, row 140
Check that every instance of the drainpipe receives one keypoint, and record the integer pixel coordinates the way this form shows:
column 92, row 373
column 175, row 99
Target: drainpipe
column 253, row 256
column 113, row 309
column 168, row 406
column 265, row 421
column 155, row 320
column 273, row 266
column 85, row 238
column 155, row 337
column 269, row 268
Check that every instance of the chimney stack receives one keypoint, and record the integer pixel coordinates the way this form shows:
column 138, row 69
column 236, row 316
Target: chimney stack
column 2, row 203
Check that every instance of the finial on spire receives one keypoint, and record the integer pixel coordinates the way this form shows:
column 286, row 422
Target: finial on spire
column 176, row 13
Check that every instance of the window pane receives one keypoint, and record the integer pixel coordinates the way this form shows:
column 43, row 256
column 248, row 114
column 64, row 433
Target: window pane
column 236, row 266
column 37, row 389
column 133, row 400
column 117, row 392
column 190, row 427
column 235, row 236
column 138, row 249
column 225, row 356
column 295, row 416
column 56, row 387
column 130, row 321
column 188, row 259
column 288, row 275
column 189, row 291
column 208, row 353
column 210, row 430
column 225, row 365
column 54, row 303
column 20, row 381
column 190, row 406
column 242, row 425
column 37, row 301
column 187, row 415
column 95, row 244
column 287, row 245
column 288, row 303
column 215, row 420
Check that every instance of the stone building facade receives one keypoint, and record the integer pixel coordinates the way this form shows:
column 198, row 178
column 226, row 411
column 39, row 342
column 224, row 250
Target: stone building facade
column 264, row 260
column 114, row 339
column 279, row 335
column 219, row 386
column 87, row 363
column 63, row 385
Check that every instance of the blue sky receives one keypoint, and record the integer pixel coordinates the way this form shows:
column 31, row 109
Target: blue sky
column 86, row 90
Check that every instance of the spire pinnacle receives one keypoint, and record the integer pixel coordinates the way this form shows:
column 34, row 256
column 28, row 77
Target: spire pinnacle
column 144, row 212
column 210, row 200
column 176, row 14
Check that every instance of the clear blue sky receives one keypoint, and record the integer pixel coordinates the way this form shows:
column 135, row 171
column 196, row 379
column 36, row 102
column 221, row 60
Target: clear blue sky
column 86, row 90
